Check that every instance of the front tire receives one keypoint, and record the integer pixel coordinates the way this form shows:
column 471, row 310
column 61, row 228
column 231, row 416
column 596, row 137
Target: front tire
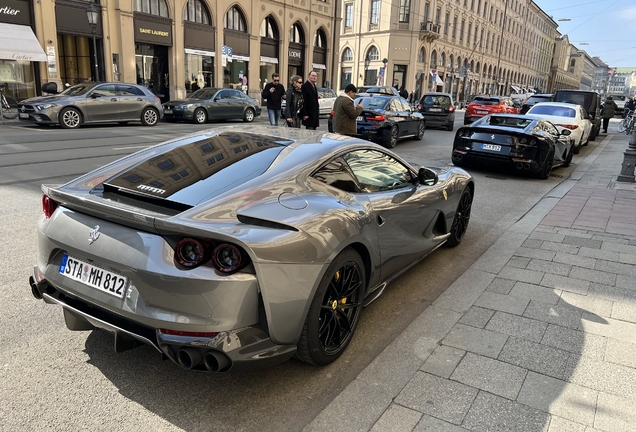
column 249, row 115
column 461, row 219
column 70, row 118
column 420, row 131
column 149, row 117
column 200, row 116
column 335, row 311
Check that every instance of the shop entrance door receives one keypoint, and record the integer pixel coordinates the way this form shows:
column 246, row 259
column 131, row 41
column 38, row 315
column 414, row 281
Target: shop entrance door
column 152, row 69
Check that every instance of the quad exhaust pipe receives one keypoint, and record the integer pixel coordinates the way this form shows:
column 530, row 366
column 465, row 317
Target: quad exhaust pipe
column 520, row 166
column 213, row 361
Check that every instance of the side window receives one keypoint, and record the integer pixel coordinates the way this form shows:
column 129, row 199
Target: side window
column 235, row 94
column 125, row 90
column 405, row 105
column 105, row 90
column 377, row 171
column 223, row 94
column 395, row 105
column 336, row 174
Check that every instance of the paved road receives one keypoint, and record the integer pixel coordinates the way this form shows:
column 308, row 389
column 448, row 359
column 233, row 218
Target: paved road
column 51, row 378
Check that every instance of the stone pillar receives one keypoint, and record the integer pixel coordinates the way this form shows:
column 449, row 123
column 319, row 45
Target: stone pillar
column 629, row 161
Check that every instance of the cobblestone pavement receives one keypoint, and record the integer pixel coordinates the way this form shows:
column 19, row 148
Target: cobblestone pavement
column 538, row 335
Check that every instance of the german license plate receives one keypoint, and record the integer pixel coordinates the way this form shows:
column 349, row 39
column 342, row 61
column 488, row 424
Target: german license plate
column 359, row 118
column 435, row 109
column 493, row 147
column 24, row 115
column 482, row 112
column 95, row 277
column 167, row 111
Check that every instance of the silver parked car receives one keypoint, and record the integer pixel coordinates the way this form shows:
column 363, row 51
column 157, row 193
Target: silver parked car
column 231, row 249
column 94, row 103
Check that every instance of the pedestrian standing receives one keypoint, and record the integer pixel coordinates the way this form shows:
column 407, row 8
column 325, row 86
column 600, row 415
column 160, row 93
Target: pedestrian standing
column 630, row 105
column 295, row 102
column 311, row 109
column 345, row 112
column 608, row 111
column 274, row 92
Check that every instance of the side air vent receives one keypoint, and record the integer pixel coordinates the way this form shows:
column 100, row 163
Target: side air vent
column 264, row 223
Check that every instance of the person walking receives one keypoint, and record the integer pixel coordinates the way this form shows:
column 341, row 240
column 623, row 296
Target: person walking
column 295, row 102
column 274, row 92
column 311, row 109
column 345, row 113
column 608, row 111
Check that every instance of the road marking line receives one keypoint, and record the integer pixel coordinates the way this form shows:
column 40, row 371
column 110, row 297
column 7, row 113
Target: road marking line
column 131, row 147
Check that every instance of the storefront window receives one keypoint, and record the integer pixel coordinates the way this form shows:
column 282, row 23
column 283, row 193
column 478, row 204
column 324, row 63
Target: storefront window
column 18, row 76
column 75, row 59
column 235, row 74
column 199, row 71
column 266, row 71
column 152, row 68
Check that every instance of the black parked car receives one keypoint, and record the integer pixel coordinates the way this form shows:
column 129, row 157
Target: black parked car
column 527, row 143
column 386, row 119
column 534, row 99
column 211, row 103
column 386, row 90
column 438, row 109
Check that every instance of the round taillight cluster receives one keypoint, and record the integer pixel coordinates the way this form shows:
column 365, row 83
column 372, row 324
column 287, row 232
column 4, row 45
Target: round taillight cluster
column 48, row 206
column 225, row 257
column 451, row 108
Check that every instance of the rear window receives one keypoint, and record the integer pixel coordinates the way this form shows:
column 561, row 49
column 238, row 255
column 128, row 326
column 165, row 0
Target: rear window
column 443, row 101
column 552, row 110
column 617, row 98
column 486, row 101
column 579, row 98
column 373, row 102
column 537, row 99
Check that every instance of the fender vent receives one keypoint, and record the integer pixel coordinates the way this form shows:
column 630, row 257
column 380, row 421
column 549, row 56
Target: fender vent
column 264, row 223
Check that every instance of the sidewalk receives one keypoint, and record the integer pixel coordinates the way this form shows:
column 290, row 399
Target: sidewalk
column 539, row 334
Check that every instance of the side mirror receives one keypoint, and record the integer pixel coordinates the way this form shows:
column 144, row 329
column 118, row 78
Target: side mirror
column 427, row 177
column 95, row 95
column 50, row 87
column 566, row 132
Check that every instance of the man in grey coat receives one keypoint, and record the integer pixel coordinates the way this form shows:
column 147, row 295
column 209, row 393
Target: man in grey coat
column 345, row 113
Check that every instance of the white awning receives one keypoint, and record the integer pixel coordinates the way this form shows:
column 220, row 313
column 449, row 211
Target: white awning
column 265, row 59
column 18, row 42
column 515, row 88
column 438, row 80
column 199, row 52
column 318, row 66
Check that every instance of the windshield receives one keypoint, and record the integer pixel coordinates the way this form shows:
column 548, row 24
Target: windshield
column 77, row 90
column 486, row 101
column 373, row 103
column 203, row 94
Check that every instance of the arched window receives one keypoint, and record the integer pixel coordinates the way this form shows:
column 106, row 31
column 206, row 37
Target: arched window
column 450, row 61
column 442, row 60
column 197, row 12
column 296, row 34
column 152, row 7
column 347, row 55
column 373, row 54
column 433, row 58
column 234, row 20
column 421, row 55
column 320, row 41
column 269, row 29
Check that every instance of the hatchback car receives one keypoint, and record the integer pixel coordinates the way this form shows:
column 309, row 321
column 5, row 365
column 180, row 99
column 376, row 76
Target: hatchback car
column 94, row 103
column 483, row 105
column 526, row 143
column 211, row 103
column 438, row 109
column 232, row 249
column 566, row 116
column 534, row 99
column 386, row 119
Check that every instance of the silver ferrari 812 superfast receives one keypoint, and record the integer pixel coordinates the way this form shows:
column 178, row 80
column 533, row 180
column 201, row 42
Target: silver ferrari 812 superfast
column 236, row 248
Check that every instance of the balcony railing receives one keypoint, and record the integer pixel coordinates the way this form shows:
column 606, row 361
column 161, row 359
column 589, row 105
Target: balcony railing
column 429, row 31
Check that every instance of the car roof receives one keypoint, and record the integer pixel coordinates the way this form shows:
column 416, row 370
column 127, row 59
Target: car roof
column 438, row 94
column 486, row 97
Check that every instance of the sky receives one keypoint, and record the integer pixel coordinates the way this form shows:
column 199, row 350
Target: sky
column 603, row 28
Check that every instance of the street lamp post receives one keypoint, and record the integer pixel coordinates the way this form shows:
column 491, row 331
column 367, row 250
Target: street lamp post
column 93, row 16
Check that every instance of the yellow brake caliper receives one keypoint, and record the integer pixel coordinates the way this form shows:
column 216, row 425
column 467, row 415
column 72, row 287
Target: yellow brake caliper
column 343, row 300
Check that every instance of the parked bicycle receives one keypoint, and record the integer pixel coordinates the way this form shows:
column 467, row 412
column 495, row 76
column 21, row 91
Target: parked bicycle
column 9, row 109
column 627, row 124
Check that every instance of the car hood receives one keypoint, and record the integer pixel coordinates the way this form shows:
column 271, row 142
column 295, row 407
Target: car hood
column 185, row 101
column 47, row 99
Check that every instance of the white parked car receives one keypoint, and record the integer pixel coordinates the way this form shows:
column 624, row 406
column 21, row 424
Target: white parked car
column 566, row 116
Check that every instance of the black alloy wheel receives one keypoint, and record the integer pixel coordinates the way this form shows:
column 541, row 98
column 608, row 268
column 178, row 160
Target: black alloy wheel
column 334, row 311
column 420, row 131
column 391, row 137
column 200, row 116
column 461, row 219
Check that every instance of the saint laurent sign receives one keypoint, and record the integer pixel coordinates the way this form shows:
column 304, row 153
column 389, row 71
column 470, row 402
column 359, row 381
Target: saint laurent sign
column 153, row 32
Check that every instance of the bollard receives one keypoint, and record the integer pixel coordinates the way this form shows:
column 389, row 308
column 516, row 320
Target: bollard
column 629, row 161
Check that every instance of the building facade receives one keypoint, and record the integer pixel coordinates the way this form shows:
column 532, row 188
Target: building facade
column 175, row 46
column 601, row 76
column 463, row 47
column 565, row 72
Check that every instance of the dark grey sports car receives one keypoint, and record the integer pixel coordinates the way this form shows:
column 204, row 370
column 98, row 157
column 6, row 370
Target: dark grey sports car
column 228, row 249
column 213, row 104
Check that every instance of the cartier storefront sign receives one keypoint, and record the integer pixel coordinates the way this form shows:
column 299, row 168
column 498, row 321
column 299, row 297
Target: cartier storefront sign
column 15, row 12
column 152, row 32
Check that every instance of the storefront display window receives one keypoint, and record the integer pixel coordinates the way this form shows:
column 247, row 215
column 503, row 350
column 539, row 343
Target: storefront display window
column 75, row 59
column 152, row 68
column 199, row 71
column 19, row 79
column 235, row 74
column 266, row 71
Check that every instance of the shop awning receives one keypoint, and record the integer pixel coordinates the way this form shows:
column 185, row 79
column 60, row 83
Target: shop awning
column 318, row 66
column 438, row 80
column 516, row 89
column 17, row 42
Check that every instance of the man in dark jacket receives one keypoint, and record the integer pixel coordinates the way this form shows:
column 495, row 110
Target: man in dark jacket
column 608, row 111
column 630, row 105
column 345, row 113
column 311, row 109
column 274, row 92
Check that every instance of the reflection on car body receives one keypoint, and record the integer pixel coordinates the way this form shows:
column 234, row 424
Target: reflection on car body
column 526, row 143
column 230, row 250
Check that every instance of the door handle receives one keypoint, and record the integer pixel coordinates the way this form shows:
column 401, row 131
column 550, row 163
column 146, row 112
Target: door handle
column 139, row 99
column 113, row 100
column 381, row 220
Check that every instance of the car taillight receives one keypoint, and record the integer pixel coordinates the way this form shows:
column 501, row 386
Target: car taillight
column 464, row 133
column 375, row 118
column 451, row 108
column 568, row 126
column 524, row 141
column 419, row 107
column 157, row 98
column 499, row 109
column 48, row 206
column 227, row 258
column 332, row 113
column 190, row 252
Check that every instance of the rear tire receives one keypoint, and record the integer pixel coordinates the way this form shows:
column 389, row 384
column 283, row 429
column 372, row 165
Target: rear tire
column 391, row 137
column 335, row 311
column 461, row 219
column 593, row 135
column 547, row 166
